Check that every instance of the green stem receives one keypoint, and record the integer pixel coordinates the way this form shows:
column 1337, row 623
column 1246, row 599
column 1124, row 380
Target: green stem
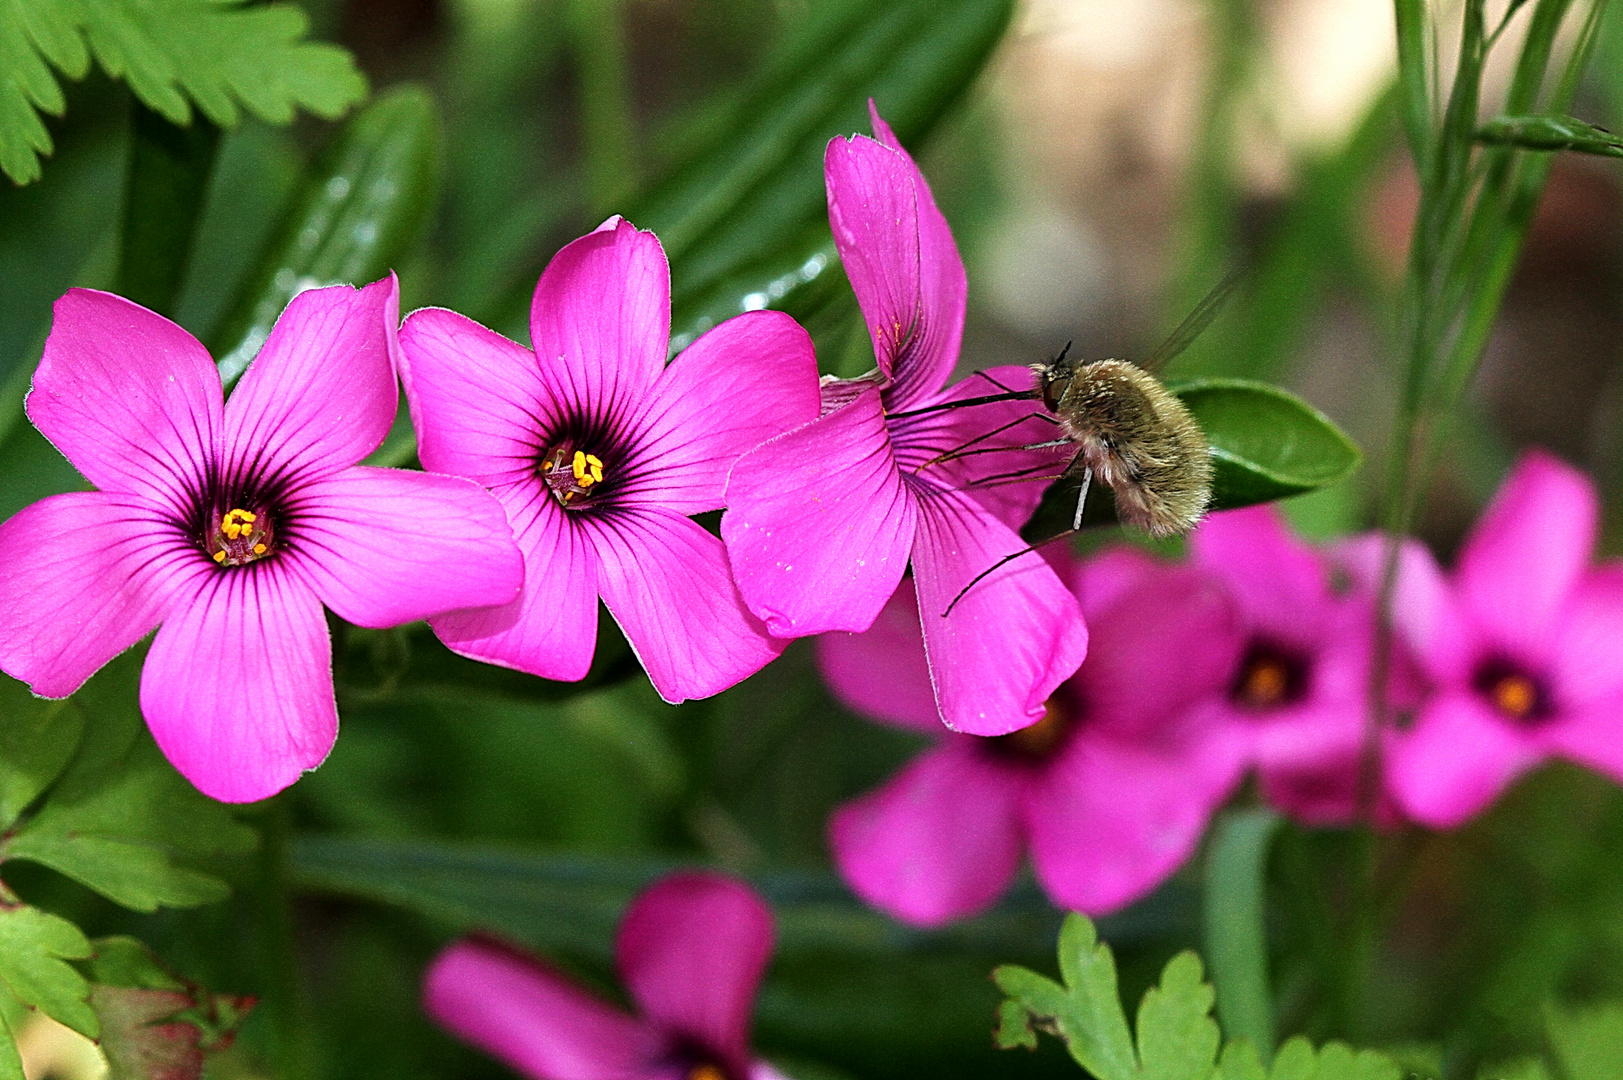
column 283, row 1000
column 164, row 195
column 1236, row 929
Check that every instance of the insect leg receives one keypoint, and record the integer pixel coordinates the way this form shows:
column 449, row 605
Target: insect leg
column 959, row 450
column 984, row 574
column 1082, row 499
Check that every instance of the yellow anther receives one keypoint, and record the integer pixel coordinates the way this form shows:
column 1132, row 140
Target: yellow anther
column 1515, row 695
column 219, row 556
column 259, row 549
column 706, row 1071
column 579, row 466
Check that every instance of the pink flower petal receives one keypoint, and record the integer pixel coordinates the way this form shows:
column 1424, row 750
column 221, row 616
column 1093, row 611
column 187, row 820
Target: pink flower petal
column 529, row 1016
column 84, row 576
column 601, row 319
column 127, row 396
column 1011, row 640
column 383, row 547
column 1527, row 552
column 1456, row 760
column 818, row 523
column 321, row 393
column 476, row 398
column 667, row 583
column 1178, row 620
column 1587, row 662
column 943, row 291
column 692, row 949
column 939, row 841
column 881, row 672
column 748, row 380
column 1110, row 820
column 1425, row 609
column 1591, row 734
column 989, row 439
column 551, row 629
column 238, row 685
column 1280, row 583
column 1109, row 575
column 873, row 212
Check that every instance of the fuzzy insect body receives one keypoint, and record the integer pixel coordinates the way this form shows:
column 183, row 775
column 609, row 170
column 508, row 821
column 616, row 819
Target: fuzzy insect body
column 1135, row 435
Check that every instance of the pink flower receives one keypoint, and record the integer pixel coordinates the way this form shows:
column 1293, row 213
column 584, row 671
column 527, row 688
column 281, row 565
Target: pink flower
column 1300, row 695
column 823, row 521
column 1520, row 645
column 1110, row 792
column 231, row 524
column 691, row 950
column 599, row 452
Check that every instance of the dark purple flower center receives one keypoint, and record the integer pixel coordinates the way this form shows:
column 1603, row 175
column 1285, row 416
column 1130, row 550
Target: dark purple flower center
column 573, row 474
column 1513, row 691
column 1271, row 676
column 1042, row 740
column 689, row 1059
column 239, row 537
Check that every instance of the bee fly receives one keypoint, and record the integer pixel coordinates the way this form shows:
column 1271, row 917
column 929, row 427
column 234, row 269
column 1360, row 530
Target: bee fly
column 1128, row 430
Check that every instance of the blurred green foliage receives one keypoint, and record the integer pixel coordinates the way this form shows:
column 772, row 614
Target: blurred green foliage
column 461, row 797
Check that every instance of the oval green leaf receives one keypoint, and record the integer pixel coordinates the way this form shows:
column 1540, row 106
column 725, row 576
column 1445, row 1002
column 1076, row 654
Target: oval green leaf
column 1267, row 443
column 364, row 202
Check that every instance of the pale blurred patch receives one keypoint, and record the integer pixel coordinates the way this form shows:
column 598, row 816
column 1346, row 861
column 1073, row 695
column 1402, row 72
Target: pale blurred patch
column 51, row 1051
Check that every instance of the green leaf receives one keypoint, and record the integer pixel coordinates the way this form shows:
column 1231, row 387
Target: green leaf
column 220, row 55
column 1086, row 1012
column 1588, row 1041
column 365, row 200
column 121, row 820
column 164, row 192
column 1236, row 938
column 1550, row 133
column 37, row 739
column 34, row 949
column 1267, row 443
column 1177, row 1038
column 1297, row 1060
column 11, row 1062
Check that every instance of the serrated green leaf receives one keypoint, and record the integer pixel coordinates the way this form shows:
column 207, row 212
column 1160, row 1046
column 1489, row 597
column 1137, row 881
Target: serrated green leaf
column 221, row 55
column 1014, row 1026
column 1267, row 443
column 1550, row 133
column 34, row 949
column 366, row 198
column 1177, row 1038
column 1297, row 1060
column 37, row 739
column 1588, row 1041
column 120, row 816
column 1087, row 1010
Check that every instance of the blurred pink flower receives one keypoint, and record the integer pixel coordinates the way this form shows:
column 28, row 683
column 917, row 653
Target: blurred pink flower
column 1520, row 645
column 231, row 524
column 1300, row 694
column 823, row 521
column 600, row 451
column 1110, row 791
column 691, row 950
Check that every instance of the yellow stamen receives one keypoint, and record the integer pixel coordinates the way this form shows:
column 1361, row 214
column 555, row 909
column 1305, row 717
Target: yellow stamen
column 706, row 1071
column 259, row 549
column 1265, row 683
column 219, row 556
column 1515, row 695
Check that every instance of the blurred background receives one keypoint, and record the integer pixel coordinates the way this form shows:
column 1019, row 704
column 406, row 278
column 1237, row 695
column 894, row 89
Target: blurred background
column 1104, row 168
